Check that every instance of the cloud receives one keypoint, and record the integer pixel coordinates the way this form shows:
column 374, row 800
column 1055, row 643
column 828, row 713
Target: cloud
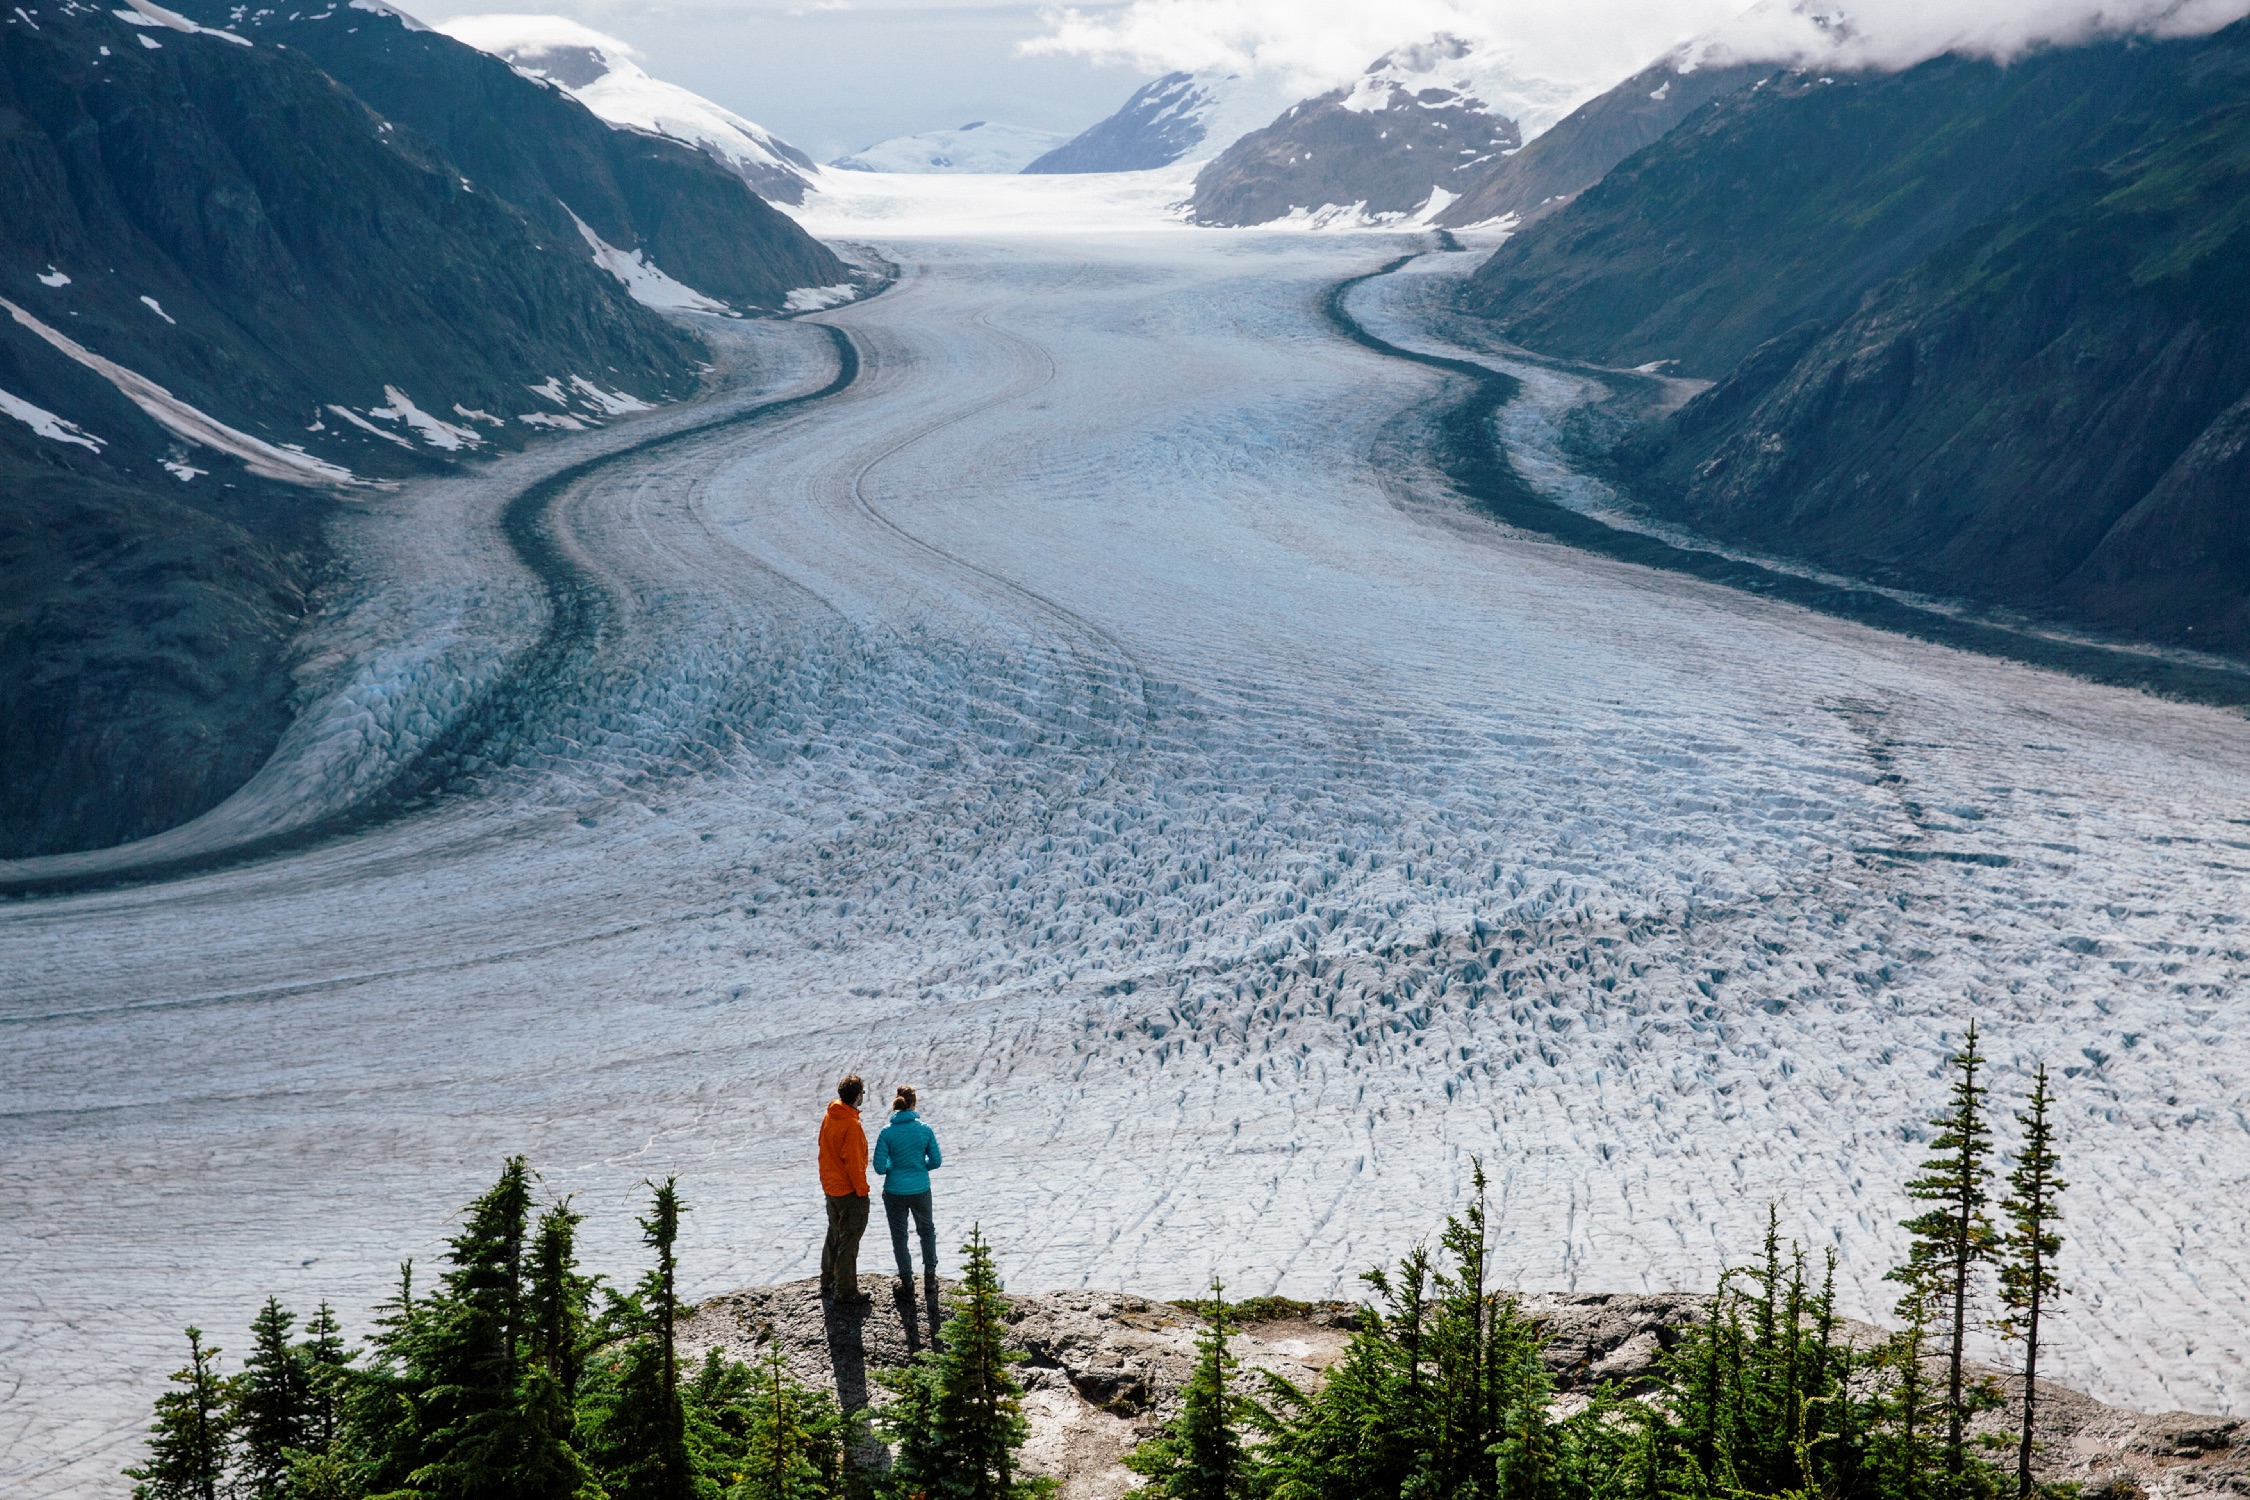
column 1890, row 34
column 1309, row 45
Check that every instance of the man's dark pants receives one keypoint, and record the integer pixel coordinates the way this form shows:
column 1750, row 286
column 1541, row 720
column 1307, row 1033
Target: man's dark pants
column 839, row 1256
column 896, row 1206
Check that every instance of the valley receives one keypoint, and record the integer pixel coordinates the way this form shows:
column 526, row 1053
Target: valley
column 1099, row 713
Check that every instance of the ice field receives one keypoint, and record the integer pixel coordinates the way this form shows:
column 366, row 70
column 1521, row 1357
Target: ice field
column 1097, row 717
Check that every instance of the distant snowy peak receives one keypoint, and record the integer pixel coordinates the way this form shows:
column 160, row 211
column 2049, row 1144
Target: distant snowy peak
column 1178, row 117
column 1445, row 72
column 601, row 73
column 1418, row 129
column 980, row 146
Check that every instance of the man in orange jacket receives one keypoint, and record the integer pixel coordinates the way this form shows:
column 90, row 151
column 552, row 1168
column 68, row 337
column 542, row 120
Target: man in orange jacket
column 843, row 1177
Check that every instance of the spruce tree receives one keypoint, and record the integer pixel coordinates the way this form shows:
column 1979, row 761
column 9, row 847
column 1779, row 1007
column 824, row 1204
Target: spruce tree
column 635, row 1422
column 272, row 1407
column 1199, row 1454
column 764, row 1433
column 187, row 1445
column 1366, row 1430
column 327, row 1366
column 2029, row 1249
column 958, row 1419
column 1955, row 1236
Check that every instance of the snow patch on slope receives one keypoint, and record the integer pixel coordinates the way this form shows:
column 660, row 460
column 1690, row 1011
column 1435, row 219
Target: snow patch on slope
column 436, row 432
column 47, row 424
column 182, row 420
column 647, row 283
column 602, row 73
column 143, row 13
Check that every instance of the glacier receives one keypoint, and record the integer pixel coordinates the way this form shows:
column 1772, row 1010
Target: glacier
column 1098, row 715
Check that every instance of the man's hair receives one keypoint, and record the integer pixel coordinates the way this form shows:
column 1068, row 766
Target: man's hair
column 850, row 1088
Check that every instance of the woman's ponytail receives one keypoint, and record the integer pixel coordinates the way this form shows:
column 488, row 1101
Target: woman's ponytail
column 903, row 1099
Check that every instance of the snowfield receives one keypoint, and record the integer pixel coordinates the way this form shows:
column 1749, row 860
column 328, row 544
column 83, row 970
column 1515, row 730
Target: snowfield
column 1097, row 717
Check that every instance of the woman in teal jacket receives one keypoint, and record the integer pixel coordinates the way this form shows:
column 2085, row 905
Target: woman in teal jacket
column 906, row 1153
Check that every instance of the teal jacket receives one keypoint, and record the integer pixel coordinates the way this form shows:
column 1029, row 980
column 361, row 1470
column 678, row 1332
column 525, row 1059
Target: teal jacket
column 906, row 1154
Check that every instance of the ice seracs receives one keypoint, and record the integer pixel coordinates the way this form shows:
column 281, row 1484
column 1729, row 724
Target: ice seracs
column 602, row 73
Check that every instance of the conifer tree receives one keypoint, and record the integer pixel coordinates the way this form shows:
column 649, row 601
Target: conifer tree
column 187, row 1446
column 2029, row 1249
column 1364, row 1433
column 959, row 1417
column 327, row 1366
column 1955, row 1236
column 764, row 1433
column 637, row 1435
column 1199, row 1454
column 272, row 1405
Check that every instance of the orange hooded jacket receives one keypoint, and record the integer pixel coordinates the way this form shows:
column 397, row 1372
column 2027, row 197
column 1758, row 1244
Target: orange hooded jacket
column 843, row 1152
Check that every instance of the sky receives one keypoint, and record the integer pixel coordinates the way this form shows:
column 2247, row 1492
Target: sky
column 833, row 76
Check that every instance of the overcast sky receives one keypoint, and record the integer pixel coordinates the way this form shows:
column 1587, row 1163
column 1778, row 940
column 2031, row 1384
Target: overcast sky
column 837, row 75
column 833, row 78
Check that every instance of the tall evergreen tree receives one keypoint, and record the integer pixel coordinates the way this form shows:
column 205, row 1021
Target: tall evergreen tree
column 1199, row 1454
column 1954, row 1237
column 272, row 1405
column 187, row 1446
column 637, row 1432
column 327, row 1365
column 958, row 1419
column 1365, row 1432
column 2029, row 1249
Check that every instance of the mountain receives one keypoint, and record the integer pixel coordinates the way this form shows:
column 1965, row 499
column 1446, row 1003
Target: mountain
column 1977, row 330
column 600, row 72
column 1419, row 128
column 979, row 146
column 1174, row 118
column 1585, row 144
column 232, row 294
column 532, row 143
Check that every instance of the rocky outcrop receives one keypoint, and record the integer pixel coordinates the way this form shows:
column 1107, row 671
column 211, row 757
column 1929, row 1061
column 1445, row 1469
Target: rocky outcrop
column 1102, row 1370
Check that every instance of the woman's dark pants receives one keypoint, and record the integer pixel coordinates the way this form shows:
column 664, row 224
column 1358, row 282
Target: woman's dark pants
column 896, row 1206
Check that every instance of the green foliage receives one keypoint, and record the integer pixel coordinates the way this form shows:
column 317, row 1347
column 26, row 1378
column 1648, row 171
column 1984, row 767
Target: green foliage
column 763, row 1434
column 957, row 1414
column 634, row 1418
column 187, row 1446
column 1953, row 1238
column 1250, row 1310
column 272, row 1406
column 1198, row 1455
column 2029, row 1248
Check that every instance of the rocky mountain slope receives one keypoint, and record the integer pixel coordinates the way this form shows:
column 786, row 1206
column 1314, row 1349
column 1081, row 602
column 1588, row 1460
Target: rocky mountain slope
column 599, row 71
column 1102, row 1370
column 544, row 152
column 1173, row 118
column 1980, row 331
column 230, row 292
column 1566, row 160
column 1418, row 129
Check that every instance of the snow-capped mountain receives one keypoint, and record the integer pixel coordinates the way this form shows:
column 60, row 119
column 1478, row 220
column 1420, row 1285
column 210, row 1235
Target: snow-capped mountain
column 1415, row 131
column 1178, row 117
column 979, row 146
column 600, row 72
